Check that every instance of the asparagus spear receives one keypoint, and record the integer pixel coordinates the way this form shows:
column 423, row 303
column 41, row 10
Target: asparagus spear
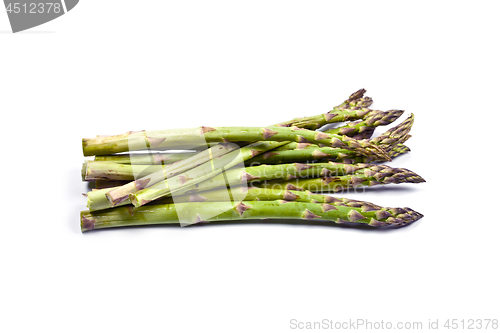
column 295, row 145
column 371, row 120
column 266, row 194
column 352, row 109
column 192, row 137
column 115, row 171
column 371, row 176
column 166, row 158
column 336, row 176
column 168, row 214
column 395, row 151
column 302, row 155
column 271, row 172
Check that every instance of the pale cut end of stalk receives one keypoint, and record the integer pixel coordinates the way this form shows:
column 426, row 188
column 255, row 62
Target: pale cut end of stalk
column 84, row 170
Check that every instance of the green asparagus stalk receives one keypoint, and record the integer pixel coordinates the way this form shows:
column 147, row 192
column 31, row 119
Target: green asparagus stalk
column 115, row 171
column 371, row 176
column 295, row 145
column 336, row 175
column 366, row 134
column 303, row 155
column 180, row 138
column 145, row 159
column 215, row 211
column 266, row 194
column 356, row 107
column 395, row 151
column 371, row 120
column 269, row 172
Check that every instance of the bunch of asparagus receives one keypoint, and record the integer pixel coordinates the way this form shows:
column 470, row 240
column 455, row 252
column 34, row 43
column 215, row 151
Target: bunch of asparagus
column 240, row 173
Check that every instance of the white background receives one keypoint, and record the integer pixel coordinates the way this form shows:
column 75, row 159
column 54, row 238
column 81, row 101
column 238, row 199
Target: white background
column 112, row 66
